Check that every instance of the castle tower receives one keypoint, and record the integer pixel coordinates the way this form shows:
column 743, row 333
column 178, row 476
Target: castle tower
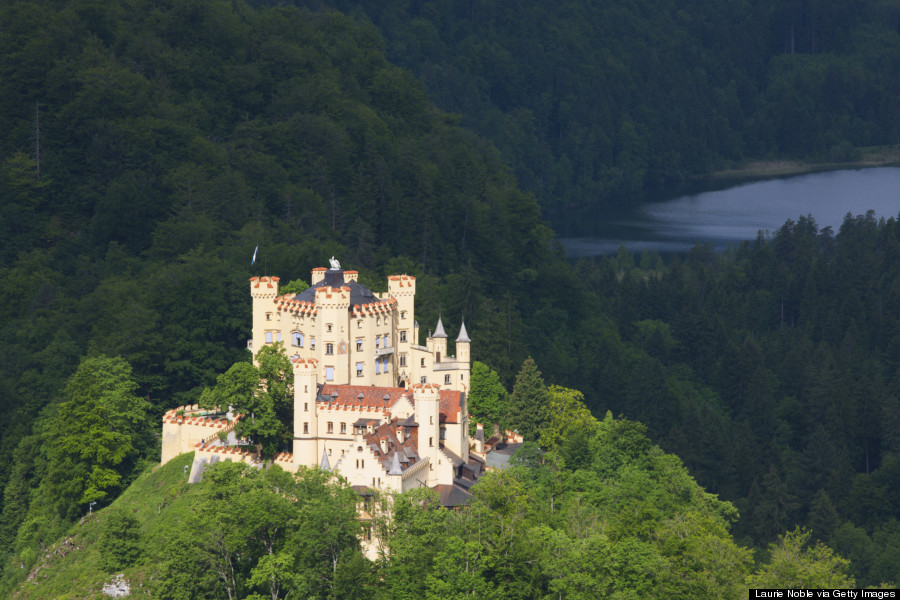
column 402, row 288
column 333, row 304
column 464, row 357
column 438, row 342
column 306, row 422
column 426, row 398
column 264, row 290
column 463, row 345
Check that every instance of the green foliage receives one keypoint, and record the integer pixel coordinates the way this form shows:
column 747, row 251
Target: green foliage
column 120, row 541
column 794, row 564
column 528, row 401
column 488, row 399
column 262, row 394
column 675, row 89
column 564, row 415
column 260, row 533
column 93, row 434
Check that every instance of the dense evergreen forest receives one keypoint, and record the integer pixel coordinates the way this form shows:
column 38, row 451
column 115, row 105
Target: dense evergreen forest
column 592, row 100
column 148, row 147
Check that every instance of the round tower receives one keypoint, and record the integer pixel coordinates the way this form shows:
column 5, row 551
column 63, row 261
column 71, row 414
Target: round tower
column 427, row 403
column 438, row 342
column 306, row 422
column 464, row 357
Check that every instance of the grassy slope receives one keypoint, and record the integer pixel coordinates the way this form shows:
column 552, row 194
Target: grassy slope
column 71, row 568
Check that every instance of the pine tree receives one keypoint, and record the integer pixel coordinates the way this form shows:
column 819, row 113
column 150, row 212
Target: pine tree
column 527, row 401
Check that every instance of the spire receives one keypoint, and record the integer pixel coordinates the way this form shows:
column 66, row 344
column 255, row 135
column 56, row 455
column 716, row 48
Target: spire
column 439, row 331
column 325, row 465
column 396, row 469
column 463, row 335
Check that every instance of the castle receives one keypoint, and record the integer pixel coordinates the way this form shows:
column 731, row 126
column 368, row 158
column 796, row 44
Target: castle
column 370, row 403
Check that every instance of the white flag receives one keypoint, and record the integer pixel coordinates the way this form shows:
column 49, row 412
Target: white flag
column 253, row 262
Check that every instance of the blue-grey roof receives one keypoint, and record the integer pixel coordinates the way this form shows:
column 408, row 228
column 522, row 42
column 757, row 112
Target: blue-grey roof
column 359, row 294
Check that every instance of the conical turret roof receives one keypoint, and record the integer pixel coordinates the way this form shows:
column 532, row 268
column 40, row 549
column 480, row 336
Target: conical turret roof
column 325, row 465
column 463, row 334
column 439, row 330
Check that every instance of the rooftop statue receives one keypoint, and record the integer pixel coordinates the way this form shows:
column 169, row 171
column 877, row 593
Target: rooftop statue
column 334, row 263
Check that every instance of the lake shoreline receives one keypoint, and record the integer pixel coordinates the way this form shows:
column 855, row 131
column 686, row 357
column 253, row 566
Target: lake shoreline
column 880, row 156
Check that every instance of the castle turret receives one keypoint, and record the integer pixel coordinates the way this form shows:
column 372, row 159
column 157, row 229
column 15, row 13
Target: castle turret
column 438, row 342
column 264, row 290
column 306, row 422
column 463, row 345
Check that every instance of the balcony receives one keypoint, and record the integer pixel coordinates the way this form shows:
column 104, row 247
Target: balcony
column 384, row 351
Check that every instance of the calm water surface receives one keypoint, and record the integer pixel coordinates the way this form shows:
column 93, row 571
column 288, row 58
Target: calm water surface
column 729, row 216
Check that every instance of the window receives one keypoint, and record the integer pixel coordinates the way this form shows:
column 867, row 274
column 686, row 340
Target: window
column 385, row 364
column 279, row 336
column 306, row 407
column 423, row 362
column 378, row 341
column 403, row 314
column 330, row 427
column 359, row 345
column 423, row 380
column 387, row 337
column 446, row 380
column 329, row 348
column 328, row 327
column 377, row 366
column 402, row 360
column 343, row 428
column 329, row 452
column 297, row 339
column 268, row 316
column 431, row 441
column 359, row 324
column 306, row 428
column 312, row 343
column 403, row 335
column 296, row 356
column 359, row 369
column 268, row 337
column 329, row 373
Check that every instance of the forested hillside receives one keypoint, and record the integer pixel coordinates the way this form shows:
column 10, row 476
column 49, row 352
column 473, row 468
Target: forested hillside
column 591, row 100
column 149, row 147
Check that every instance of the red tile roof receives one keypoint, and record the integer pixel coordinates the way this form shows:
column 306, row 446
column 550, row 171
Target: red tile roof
column 373, row 398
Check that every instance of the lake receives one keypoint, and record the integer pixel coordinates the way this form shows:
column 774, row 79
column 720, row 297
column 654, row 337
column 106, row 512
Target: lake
column 674, row 220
